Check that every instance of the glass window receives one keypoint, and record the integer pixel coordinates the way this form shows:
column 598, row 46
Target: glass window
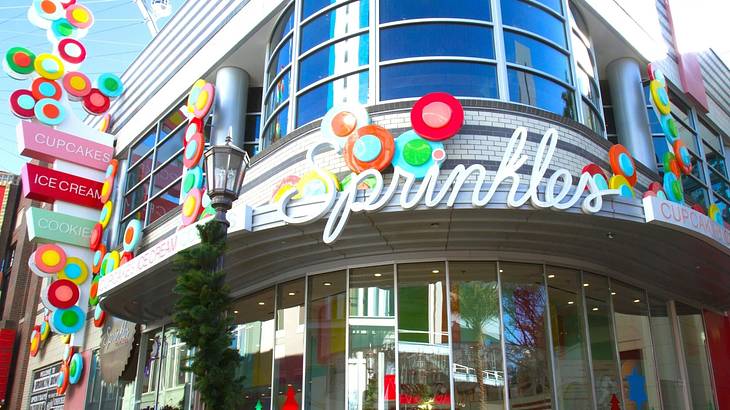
column 253, row 123
column 253, row 337
column 475, row 329
column 525, row 334
column 587, row 86
column 572, row 375
column 166, row 175
column 314, row 103
column 591, row 118
column 371, row 371
column 695, row 191
column 139, row 171
column 144, row 146
column 692, row 330
column 136, row 197
column 688, row 136
column 169, row 148
column 165, row 202
column 104, row 396
column 680, row 109
column 173, row 120
column 719, row 185
column 457, row 78
column 520, row 14
column 176, row 387
column 326, row 321
column 281, row 59
column 529, row 52
column 633, row 334
column 436, row 39
column 310, row 7
column 335, row 23
column 709, row 135
column 423, row 340
column 289, row 345
column 278, row 94
column 338, row 58
column 394, row 10
column 277, row 128
column 540, row 92
column 607, row 383
column 670, row 379
column 715, row 160
column 283, row 27
column 553, row 4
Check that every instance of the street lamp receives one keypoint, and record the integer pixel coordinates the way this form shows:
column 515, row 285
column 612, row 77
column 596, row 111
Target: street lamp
column 225, row 167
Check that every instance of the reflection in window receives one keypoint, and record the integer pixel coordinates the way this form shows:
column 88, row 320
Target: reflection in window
column 310, row 7
column 278, row 94
column 339, row 58
column 525, row 335
column 143, row 147
column 289, row 345
column 253, row 337
column 670, row 379
column 692, row 329
column 140, row 171
column 336, row 23
column 526, row 51
column 423, row 340
column 436, row 39
column 137, row 197
column 572, row 374
column 315, row 102
column 281, row 59
column 606, row 379
column 283, row 27
column 103, row 396
column 633, row 335
column 277, row 128
column 457, row 78
column 521, row 14
column 371, row 374
column 173, row 120
column 164, row 203
column 540, row 92
column 394, row 10
column 169, row 148
column 475, row 329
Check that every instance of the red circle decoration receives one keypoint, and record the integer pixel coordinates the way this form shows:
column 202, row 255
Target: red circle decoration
column 195, row 126
column 383, row 154
column 72, row 51
column 95, row 238
column 682, row 157
column 45, row 88
column 437, row 116
column 622, row 163
column 126, row 257
column 22, row 104
column 62, row 294
column 193, row 151
column 97, row 258
column 96, row 103
column 77, row 85
column 50, row 258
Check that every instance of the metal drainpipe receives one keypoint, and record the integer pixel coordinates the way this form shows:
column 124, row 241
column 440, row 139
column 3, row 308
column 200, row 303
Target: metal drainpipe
column 229, row 115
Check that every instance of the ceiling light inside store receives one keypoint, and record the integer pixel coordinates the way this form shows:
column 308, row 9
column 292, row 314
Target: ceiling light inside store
column 327, row 283
column 235, row 312
column 292, row 293
column 435, row 271
column 570, row 302
column 501, row 271
column 377, row 275
column 585, row 285
column 613, row 293
column 595, row 309
column 262, row 303
column 637, row 300
column 551, row 276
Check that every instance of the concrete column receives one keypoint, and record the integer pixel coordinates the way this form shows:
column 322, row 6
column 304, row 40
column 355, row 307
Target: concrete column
column 629, row 110
column 231, row 95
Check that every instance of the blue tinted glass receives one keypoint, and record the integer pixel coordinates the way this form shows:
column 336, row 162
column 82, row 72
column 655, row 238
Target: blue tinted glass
column 315, row 103
column 519, row 14
column 660, row 148
column 553, row 4
column 169, row 147
column 526, row 51
column 394, row 10
column 336, row 23
column 143, row 146
column 654, row 125
column 278, row 94
column 457, row 78
column 310, row 7
column 540, row 92
column 277, row 128
column 283, row 27
column 281, row 59
column 338, row 58
column 462, row 40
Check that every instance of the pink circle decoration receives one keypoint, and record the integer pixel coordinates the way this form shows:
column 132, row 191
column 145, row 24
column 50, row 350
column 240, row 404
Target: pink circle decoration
column 77, row 85
column 79, row 16
column 193, row 151
column 201, row 98
column 63, row 293
column 72, row 51
column 50, row 258
column 105, row 122
column 22, row 104
column 195, row 126
column 192, row 206
column 95, row 102
column 437, row 116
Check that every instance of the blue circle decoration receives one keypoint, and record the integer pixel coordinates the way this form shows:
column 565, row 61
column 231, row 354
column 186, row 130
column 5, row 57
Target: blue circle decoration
column 42, row 113
column 191, row 148
column 26, row 102
column 60, row 320
column 76, row 368
column 626, row 166
column 399, row 159
column 600, row 181
column 684, row 152
column 59, row 380
column 367, row 148
column 663, row 96
column 669, row 127
column 110, row 85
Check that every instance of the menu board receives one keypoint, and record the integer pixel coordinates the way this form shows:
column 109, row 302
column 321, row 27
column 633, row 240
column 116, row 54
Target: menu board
column 43, row 389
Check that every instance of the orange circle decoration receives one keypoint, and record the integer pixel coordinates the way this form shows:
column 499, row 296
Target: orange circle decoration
column 370, row 147
column 106, row 190
column 49, row 111
column 99, row 254
column 670, row 164
column 62, row 294
column 683, row 157
column 192, row 206
column 35, row 340
column 22, row 104
column 48, row 66
column 111, row 169
column 193, row 151
column 95, row 102
column 19, row 63
column 71, row 51
column 342, row 121
column 94, row 291
column 50, row 258
column 79, row 16
column 200, row 99
column 77, row 85
column 622, row 184
column 286, row 184
column 622, row 163
column 132, row 235
column 45, row 88
column 99, row 316
column 62, row 381
column 437, row 116
column 105, row 123
column 97, row 232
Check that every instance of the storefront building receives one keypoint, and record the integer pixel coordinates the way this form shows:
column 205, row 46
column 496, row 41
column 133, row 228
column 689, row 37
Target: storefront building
column 480, row 298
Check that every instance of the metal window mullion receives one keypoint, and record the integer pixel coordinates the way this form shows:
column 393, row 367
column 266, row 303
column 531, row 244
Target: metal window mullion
column 332, row 41
column 325, row 10
column 541, row 74
column 306, row 336
column 270, row 85
column 587, row 336
column 657, row 380
column 373, row 53
column 545, row 8
column 274, row 113
column 500, row 54
column 679, row 352
column 549, row 334
column 505, row 376
column 438, row 58
column 347, row 333
column 294, row 82
column 397, row 336
column 535, row 36
column 437, row 20
column 448, row 332
column 567, row 29
column 277, row 48
column 612, row 317
column 329, row 79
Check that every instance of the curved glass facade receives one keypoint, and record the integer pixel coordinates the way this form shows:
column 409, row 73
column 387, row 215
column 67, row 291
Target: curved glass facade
column 327, row 52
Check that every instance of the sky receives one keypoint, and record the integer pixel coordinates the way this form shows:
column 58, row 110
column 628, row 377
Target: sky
column 119, row 34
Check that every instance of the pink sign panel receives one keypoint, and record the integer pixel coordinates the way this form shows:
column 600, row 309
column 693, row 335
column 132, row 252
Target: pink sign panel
column 48, row 144
column 48, row 185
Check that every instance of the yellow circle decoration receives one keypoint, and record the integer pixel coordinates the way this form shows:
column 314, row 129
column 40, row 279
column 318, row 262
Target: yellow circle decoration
column 49, row 66
column 75, row 270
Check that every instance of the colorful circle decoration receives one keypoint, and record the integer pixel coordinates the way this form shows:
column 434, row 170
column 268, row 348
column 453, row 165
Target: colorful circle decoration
column 77, row 85
column 62, row 28
column 342, row 121
column 622, row 184
column 656, row 74
column 673, row 188
column 126, row 257
column 670, row 164
column 45, row 88
column 95, row 102
column 75, row 270
column 79, row 16
column 67, row 3
column 97, row 258
column 19, row 63
column 192, row 206
column 106, row 190
column 112, row 262
column 437, row 116
column 111, row 169
column 22, row 104
column 201, row 98
column 660, row 97
column 105, row 123
column 192, row 179
column 599, row 177
column 132, row 235
column 683, row 157
column 35, row 340
column 106, row 214
column 193, row 151
column 655, row 189
column 50, row 258
column 669, row 127
column 110, row 85
column 195, row 126
column 417, row 155
column 48, row 9
column 94, row 291
column 370, row 147
column 49, row 111
column 715, row 213
column 314, row 184
column 75, row 368
column 71, row 51
column 48, row 66
column 95, row 237
column 286, row 184
column 45, row 329
column 622, row 163
column 99, row 316
column 62, row 381
column 368, row 183
column 62, row 294
column 68, row 352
